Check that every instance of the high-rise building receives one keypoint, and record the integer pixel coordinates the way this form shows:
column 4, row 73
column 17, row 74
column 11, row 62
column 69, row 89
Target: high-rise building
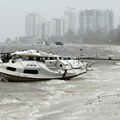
column 95, row 21
column 58, row 27
column 47, row 30
column 34, row 25
column 63, row 26
column 70, row 18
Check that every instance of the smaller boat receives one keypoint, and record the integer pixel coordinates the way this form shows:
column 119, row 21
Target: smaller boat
column 40, row 43
column 58, row 43
column 33, row 65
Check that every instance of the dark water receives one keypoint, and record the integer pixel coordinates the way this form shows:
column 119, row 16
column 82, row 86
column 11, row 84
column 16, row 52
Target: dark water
column 91, row 96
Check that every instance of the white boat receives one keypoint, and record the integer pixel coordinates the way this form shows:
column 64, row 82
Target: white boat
column 32, row 65
column 40, row 43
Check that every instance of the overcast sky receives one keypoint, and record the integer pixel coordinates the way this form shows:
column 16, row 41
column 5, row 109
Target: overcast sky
column 13, row 12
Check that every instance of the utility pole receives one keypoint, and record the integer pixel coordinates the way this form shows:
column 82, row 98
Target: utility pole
column 110, row 45
column 110, row 57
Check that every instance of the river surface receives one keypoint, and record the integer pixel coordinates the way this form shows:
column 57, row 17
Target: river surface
column 91, row 96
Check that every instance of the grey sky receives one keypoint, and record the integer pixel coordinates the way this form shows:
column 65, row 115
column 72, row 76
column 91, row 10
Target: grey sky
column 12, row 12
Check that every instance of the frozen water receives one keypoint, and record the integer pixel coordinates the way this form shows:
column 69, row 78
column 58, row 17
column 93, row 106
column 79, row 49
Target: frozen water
column 91, row 96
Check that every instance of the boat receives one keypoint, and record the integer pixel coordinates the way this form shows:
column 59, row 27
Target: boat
column 33, row 65
column 40, row 43
column 58, row 43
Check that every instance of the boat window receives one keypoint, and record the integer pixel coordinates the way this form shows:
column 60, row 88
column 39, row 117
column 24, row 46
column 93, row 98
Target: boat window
column 30, row 71
column 38, row 58
column 31, row 65
column 60, row 65
column 30, row 58
column 11, row 68
column 51, row 58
